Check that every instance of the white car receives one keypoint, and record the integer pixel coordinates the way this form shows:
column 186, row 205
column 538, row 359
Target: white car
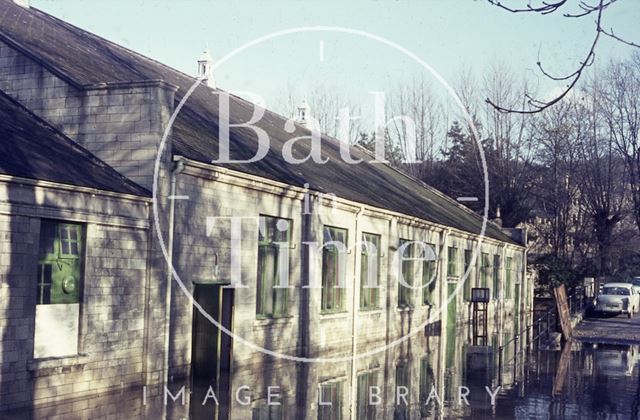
column 618, row 298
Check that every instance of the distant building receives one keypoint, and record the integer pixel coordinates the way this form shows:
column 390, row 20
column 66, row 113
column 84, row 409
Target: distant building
column 86, row 296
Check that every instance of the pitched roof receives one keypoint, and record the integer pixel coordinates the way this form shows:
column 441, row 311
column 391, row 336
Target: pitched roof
column 84, row 59
column 31, row 148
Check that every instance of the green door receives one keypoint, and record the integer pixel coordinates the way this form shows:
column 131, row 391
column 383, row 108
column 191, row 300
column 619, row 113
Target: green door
column 58, row 289
column 59, row 263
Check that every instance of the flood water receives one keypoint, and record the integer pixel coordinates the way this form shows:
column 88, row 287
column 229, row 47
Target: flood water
column 598, row 382
column 581, row 381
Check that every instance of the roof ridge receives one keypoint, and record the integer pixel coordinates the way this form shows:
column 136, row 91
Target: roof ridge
column 66, row 25
column 431, row 188
column 72, row 143
column 109, row 61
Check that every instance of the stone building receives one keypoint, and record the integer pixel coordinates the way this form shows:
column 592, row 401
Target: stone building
column 101, row 196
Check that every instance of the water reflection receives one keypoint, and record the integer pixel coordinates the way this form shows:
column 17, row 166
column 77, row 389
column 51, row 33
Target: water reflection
column 411, row 381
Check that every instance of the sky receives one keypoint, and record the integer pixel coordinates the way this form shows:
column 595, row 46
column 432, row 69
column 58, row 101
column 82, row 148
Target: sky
column 449, row 36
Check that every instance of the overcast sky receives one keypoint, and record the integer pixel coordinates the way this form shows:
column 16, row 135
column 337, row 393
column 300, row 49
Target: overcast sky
column 448, row 35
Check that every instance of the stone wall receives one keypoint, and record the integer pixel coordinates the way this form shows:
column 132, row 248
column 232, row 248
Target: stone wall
column 111, row 336
column 223, row 194
column 121, row 123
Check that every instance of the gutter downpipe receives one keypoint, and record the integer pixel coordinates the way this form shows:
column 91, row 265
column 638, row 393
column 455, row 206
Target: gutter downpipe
column 354, row 323
column 177, row 169
column 443, row 257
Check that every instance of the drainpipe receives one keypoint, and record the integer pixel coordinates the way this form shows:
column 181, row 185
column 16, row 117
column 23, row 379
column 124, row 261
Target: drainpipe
column 525, row 288
column 177, row 169
column 354, row 318
column 443, row 258
column 501, row 286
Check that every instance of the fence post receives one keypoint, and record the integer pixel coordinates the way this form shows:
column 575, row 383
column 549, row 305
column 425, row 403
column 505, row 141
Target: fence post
column 570, row 304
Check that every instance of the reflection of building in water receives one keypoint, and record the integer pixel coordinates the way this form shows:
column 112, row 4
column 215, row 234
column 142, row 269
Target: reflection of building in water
column 90, row 305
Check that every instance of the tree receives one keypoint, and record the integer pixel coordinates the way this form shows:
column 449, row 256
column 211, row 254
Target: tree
column 600, row 171
column 585, row 10
column 392, row 152
column 325, row 103
column 620, row 106
column 556, row 188
column 420, row 148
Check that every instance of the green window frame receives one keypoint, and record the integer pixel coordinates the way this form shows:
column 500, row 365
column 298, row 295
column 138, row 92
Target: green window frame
column 274, row 234
column 485, row 269
column 60, row 263
column 370, row 271
column 452, row 261
column 264, row 411
column 403, row 379
column 405, row 294
column 495, row 271
column 468, row 283
column 429, row 278
column 427, row 382
column 333, row 270
column 364, row 410
column 508, row 278
column 331, row 396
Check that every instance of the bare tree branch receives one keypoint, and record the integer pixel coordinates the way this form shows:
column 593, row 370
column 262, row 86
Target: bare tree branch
column 617, row 38
column 588, row 9
column 544, row 9
column 538, row 105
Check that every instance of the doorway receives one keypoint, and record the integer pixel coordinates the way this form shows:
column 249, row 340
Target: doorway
column 211, row 351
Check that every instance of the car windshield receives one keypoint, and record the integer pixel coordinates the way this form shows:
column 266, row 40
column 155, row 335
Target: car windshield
column 621, row 291
column 636, row 282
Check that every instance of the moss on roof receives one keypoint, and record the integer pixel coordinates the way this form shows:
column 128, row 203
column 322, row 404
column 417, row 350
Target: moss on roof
column 83, row 59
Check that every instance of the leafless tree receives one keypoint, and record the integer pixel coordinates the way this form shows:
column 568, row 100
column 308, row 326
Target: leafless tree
column 600, row 171
column 559, row 221
column 620, row 106
column 585, row 9
column 325, row 103
column 418, row 102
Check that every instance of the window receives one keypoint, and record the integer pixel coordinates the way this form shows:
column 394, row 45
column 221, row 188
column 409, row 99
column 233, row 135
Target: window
column 485, row 270
column 496, row 276
column 334, row 269
column 274, row 242
column 330, row 401
column 402, row 392
column 366, row 411
column 369, row 271
column 468, row 283
column 59, row 263
column 69, row 240
column 44, row 284
column 452, row 261
column 427, row 383
column 264, row 411
column 58, row 289
column 509, row 277
column 429, row 276
column 407, row 272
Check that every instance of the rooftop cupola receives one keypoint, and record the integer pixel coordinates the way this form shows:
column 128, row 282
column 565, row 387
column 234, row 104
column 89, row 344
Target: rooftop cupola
column 303, row 114
column 205, row 68
column 498, row 219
